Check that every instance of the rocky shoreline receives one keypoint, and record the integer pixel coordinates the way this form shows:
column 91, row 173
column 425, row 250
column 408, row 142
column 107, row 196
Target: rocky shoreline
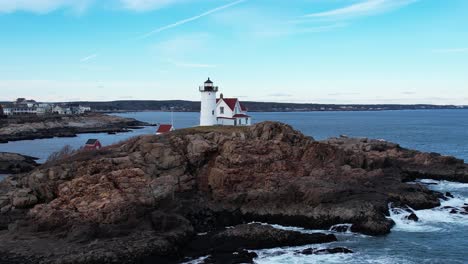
column 164, row 198
column 28, row 128
column 16, row 163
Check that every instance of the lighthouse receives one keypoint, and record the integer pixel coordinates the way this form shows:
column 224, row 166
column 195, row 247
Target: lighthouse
column 208, row 104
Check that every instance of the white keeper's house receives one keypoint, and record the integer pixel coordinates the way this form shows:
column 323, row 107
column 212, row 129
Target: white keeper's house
column 221, row 111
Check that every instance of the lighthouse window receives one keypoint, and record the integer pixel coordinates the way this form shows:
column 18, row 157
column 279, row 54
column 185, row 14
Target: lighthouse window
column 221, row 110
column 212, row 112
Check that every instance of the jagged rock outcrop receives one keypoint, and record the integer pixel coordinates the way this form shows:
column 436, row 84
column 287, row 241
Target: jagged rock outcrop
column 16, row 163
column 35, row 127
column 150, row 195
column 411, row 163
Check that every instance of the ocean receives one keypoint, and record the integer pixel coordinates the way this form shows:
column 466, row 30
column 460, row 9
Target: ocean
column 439, row 237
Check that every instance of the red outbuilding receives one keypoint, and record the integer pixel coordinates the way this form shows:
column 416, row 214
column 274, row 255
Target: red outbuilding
column 164, row 128
column 93, row 144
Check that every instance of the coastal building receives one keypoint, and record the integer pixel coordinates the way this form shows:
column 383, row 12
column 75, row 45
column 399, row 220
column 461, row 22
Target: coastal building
column 231, row 112
column 164, row 128
column 24, row 110
column 30, row 107
column 58, row 110
column 23, row 103
column 7, row 111
column 221, row 111
column 92, row 144
column 85, row 109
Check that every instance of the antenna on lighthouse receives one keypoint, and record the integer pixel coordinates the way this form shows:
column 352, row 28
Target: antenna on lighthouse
column 172, row 116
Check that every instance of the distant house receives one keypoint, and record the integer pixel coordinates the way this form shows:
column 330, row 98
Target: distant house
column 7, row 111
column 24, row 111
column 58, row 110
column 164, row 128
column 23, row 103
column 93, row 144
column 84, row 109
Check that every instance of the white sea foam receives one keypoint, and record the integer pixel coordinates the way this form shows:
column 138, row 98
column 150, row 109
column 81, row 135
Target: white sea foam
column 294, row 228
column 196, row 261
column 444, row 186
column 399, row 216
column 435, row 219
column 291, row 255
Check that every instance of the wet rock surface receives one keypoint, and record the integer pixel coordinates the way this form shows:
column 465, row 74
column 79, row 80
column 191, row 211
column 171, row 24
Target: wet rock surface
column 338, row 250
column 150, row 196
column 16, row 163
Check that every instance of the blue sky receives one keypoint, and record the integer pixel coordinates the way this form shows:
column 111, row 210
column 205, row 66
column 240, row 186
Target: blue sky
column 317, row 51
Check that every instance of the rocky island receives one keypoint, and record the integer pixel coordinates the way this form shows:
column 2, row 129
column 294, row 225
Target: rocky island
column 191, row 193
column 35, row 127
column 16, row 163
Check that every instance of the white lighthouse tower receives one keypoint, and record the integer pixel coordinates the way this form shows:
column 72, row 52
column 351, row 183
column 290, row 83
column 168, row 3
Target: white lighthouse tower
column 208, row 104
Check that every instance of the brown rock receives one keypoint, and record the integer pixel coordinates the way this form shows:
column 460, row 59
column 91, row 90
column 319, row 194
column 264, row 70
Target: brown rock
column 146, row 196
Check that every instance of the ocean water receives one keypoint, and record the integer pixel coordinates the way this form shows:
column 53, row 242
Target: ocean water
column 439, row 236
column 443, row 131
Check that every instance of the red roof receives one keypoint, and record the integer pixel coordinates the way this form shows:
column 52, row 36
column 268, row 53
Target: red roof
column 231, row 102
column 164, row 128
column 241, row 115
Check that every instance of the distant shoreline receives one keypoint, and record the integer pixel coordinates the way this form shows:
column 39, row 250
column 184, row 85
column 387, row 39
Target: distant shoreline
column 290, row 111
column 252, row 106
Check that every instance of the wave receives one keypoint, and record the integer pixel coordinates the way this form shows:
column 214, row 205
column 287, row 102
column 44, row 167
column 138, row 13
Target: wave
column 290, row 255
column 444, row 186
column 444, row 218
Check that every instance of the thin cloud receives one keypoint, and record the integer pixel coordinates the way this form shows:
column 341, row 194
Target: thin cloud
column 456, row 50
column 368, row 7
column 145, row 5
column 279, row 95
column 191, row 65
column 287, row 31
column 42, row 6
column 187, row 20
column 88, row 58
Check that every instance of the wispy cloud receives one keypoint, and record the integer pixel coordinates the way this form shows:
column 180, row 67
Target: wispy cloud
column 42, row 6
column 294, row 30
column 187, row 20
column 363, row 8
column 88, row 58
column 145, row 5
column 78, row 6
column 279, row 95
column 453, row 50
column 191, row 65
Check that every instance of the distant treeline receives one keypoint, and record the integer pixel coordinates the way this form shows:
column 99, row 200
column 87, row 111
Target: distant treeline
column 194, row 106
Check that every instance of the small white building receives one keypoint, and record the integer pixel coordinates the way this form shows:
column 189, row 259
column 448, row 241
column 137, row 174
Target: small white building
column 84, row 109
column 221, row 111
column 58, row 110
column 7, row 111
column 231, row 112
